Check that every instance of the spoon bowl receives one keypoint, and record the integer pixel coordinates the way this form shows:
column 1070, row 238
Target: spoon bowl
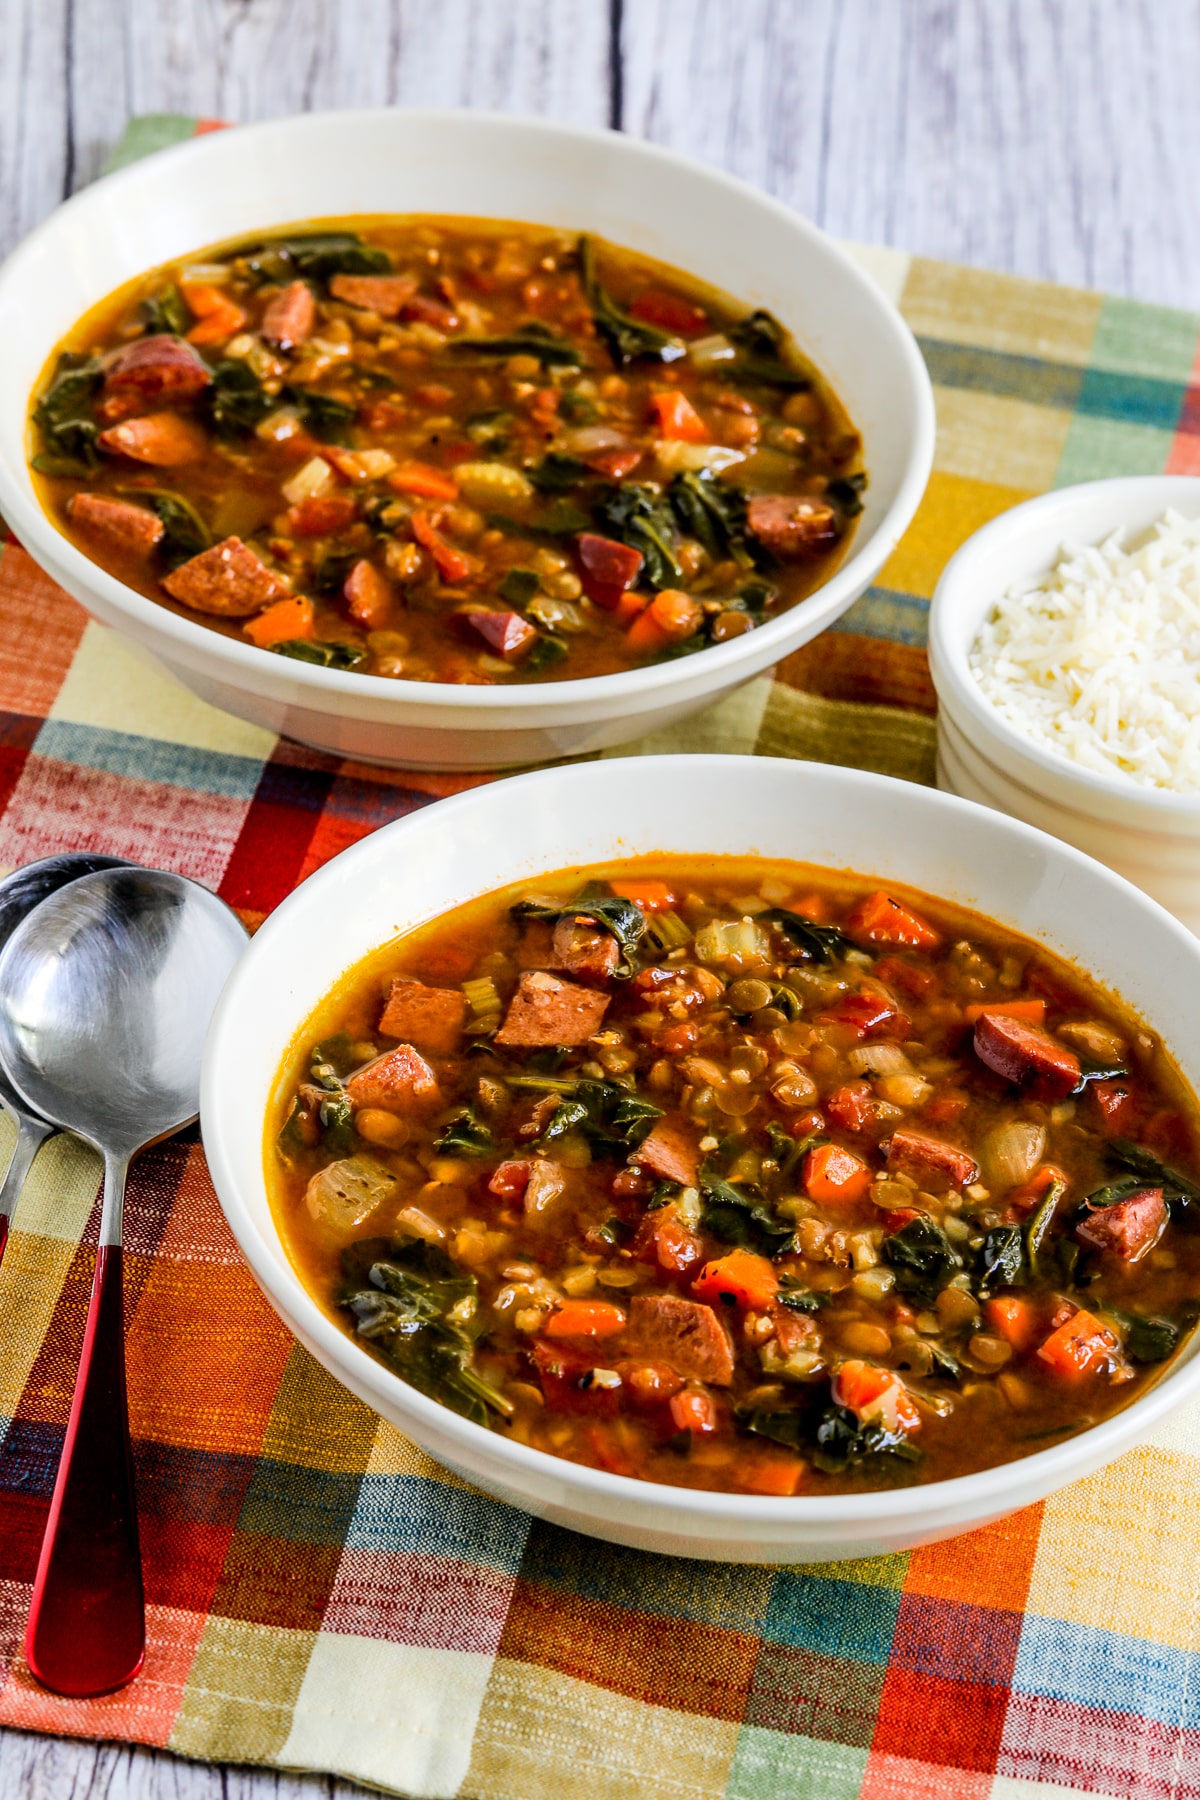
column 106, row 991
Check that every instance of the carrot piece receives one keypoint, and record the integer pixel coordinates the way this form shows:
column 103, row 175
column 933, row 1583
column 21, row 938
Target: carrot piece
column 630, row 606
column 872, row 1393
column 426, row 482
column 647, row 893
column 772, row 1474
column 219, row 317
column 832, row 1174
column 452, row 564
column 585, row 1318
column 677, row 418
column 693, row 1410
column 1033, row 1012
column 670, row 617
column 1013, row 1319
column 879, row 919
column 742, row 1276
column 1081, row 1346
column 1039, row 1184
column 279, row 624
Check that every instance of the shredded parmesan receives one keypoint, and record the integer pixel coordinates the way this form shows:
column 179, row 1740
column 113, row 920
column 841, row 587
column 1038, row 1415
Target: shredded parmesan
column 1099, row 660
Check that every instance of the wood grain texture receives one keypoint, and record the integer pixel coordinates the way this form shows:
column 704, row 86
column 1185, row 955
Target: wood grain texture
column 1053, row 138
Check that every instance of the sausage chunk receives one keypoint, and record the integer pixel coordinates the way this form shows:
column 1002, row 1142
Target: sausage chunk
column 382, row 294
column 394, row 1081
column 583, row 949
column 429, row 1017
column 508, row 633
column 228, row 579
column 546, row 1013
column 165, row 440
column 1027, row 1056
column 792, row 525
column 683, row 1333
column 289, row 317
column 154, row 371
column 671, row 1152
column 116, row 524
column 926, row 1156
column 1129, row 1228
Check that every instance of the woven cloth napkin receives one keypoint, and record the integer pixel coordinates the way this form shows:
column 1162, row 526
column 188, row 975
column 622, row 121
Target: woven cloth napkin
column 322, row 1595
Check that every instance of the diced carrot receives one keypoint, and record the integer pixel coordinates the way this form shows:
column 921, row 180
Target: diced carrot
column 1026, row 1197
column 647, row 893
column 742, row 1276
column 772, row 1472
column 452, row 564
column 871, row 1393
column 279, row 624
column 421, row 479
column 832, row 1174
column 1013, row 1319
column 670, row 617
column 880, row 919
column 1081, row 1346
column 629, row 606
column 1032, row 1011
column 585, row 1318
column 693, row 1410
column 677, row 418
column 219, row 316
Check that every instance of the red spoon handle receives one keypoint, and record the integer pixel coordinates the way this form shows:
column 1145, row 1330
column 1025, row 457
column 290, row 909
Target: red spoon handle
column 87, row 1631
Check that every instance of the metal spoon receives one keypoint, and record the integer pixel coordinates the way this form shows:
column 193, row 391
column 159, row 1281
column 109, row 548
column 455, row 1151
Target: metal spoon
column 106, row 992
column 20, row 892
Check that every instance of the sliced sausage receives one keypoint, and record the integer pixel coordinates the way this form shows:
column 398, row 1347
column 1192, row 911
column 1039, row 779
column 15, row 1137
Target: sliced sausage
column 547, row 1013
column 289, row 317
column 792, row 525
column 160, row 370
column 382, row 294
column 583, row 949
column 430, row 1017
column 1026, row 1055
column 684, row 1333
column 166, row 440
column 1129, row 1228
column 394, row 1081
column 508, row 633
column 608, row 567
column 369, row 595
column 671, row 1151
column 927, row 1156
column 116, row 524
column 229, row 580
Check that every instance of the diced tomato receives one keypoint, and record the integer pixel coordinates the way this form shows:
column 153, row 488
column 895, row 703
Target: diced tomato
column 835, row 1176
column 665, row 1238
column 741, row 1277
column 875, row 1395
column 678, row 1038
column 1080, row 1346
column 880, row 919
column 693, row 1410
column 863, row 1013
column 649, row 1383
column 610, row 1450
column 320, row 515
column 629, row 606
column 510, row 1180
column 946, row 1107
column 452, row 565
column 647, row 894
column 279, row 624
column 670, row 617
column 616, row 464
column 423, row 480
column 851, row 1108
column 897, row 972
column 585, row 1318
column 1033, row 1012
column 677, row 419
column 669, row 312
column 1116, row 1105
column 566, row 1385
column 1014, row 1319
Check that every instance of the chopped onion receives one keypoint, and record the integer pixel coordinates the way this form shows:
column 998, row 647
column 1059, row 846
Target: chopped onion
column 209, row 274
column 717, row 941
column 674, row 456
column 412, row 1219
column 316, row 477
column 345, row 1193
column 706, row 351
column 589, row 440
column 879, row 1059
column 1012, row 1151
column 546, row 1184
column 283, row 423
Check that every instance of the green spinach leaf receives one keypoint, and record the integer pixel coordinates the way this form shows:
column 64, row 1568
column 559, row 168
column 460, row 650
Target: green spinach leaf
column 465, row 1135
column 1001, row 1261
column 64, row 415
column 819, row 943
column 620, row 918
column 763, row 343
column 714, row 512
column 741, row 1218
column 315, row 254
column 1147, row 1340
column 628, row 339
column 842, row 1443
column 237, row 400
column 328, row 656
column 641, row 517
column 922, row 1257
column 166, row 312
column 552, row 351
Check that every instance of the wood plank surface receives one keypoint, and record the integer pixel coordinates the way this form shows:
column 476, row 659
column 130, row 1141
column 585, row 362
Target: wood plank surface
column 1053, row 138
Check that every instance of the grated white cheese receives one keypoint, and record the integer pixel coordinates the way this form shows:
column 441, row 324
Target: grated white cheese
column 1099, row 660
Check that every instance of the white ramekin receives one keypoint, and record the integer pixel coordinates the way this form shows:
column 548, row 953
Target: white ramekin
column 1147, row 834
column 321, row 165
column 419, row 867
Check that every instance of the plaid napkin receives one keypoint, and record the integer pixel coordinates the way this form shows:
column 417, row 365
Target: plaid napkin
column 321, row 1594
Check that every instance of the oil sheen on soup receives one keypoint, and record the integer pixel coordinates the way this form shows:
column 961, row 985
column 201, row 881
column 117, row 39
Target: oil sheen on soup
column 447, row 450
column 735, row 1175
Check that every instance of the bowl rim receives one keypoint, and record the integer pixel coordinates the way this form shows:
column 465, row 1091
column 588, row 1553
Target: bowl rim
column 34, row 527
column 975, row 1497
column 949, row 652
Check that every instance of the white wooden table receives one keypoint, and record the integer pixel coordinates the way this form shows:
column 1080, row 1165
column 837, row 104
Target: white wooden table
column 1053, row 138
